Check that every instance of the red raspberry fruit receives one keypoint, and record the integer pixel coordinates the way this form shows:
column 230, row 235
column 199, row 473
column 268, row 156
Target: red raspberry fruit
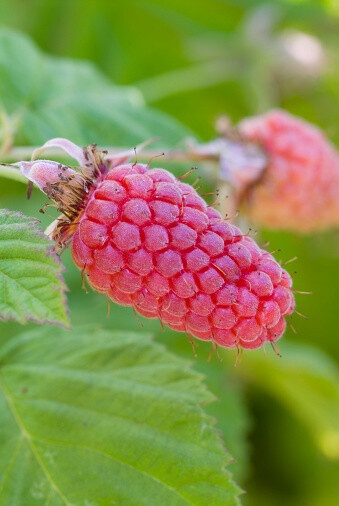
column 147, row 240
column 300, row 186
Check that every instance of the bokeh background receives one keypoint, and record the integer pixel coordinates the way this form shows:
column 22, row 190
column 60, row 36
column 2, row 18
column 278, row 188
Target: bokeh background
column 197, row 60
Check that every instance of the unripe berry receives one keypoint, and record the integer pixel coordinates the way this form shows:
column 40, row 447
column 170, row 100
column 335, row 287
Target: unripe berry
column 299, row 188
column 147, row 240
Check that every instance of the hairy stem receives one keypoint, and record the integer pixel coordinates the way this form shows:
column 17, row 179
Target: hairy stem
column 210, row 167
column 25, row 153
column 13, row 173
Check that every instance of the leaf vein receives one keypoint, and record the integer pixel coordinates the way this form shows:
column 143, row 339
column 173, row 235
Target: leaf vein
column 26, row 435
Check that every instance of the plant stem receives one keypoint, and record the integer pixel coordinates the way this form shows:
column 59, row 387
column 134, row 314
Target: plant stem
column 25, row 153
column 12, row 173
column 228, row 200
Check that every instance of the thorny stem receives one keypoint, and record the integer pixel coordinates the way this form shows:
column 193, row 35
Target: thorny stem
column 25, row 153
column 227, row 195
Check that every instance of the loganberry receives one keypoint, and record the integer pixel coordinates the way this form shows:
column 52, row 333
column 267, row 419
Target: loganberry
column 299, row 188
column 147, row 240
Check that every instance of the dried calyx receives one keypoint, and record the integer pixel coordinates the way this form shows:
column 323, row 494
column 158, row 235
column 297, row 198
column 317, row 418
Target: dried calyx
column 69, row 189
column 242, row 163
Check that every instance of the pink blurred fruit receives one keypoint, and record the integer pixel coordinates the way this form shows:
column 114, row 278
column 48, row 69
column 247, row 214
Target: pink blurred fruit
column 299, row 188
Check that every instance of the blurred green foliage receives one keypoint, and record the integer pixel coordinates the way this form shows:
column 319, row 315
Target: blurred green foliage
column 197, row 60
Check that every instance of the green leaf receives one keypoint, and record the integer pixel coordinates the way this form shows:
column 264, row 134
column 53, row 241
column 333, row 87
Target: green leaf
column 46, row 97
column 101, row 417
column 231, row 413
column 229, row 409
column 307, row 382
column 31, row 285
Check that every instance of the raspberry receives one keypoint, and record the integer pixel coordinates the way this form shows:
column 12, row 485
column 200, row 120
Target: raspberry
column 300, row 186
column 147, row 240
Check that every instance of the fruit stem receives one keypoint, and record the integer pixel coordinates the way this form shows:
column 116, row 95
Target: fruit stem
column 13, row 173
column 190, row 155
column 25, row 152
